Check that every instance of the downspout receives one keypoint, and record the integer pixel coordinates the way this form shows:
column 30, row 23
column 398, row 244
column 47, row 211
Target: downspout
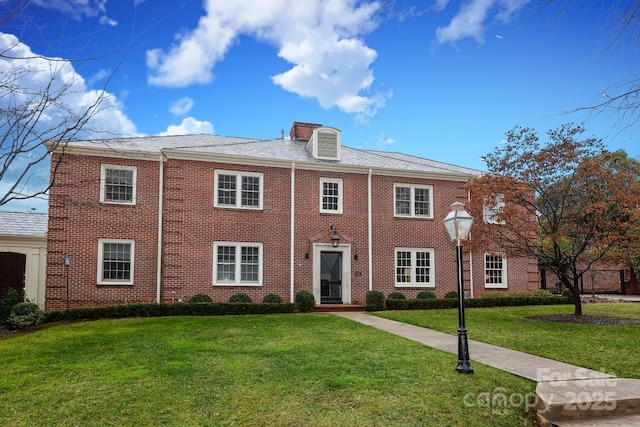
column 470, row 257
column 160, row 209
column 293, row 234
column 369, row 230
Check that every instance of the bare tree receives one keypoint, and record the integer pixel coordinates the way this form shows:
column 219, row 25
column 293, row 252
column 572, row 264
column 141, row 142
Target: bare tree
column 622, row 17
column 43, row 105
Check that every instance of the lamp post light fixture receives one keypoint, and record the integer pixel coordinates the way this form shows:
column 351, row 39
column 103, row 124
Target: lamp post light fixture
column 335, row 239
column 458, row 223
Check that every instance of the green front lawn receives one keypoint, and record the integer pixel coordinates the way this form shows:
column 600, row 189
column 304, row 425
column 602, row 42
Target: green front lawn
column 283, row 370
column 609, row 348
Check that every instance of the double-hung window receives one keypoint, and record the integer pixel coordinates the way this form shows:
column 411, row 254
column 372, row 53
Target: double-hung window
column 118, row 184
column 238, row 190
column 237, row 264
column 495, row 270
column 415, row 268
column 413, row 200
column 330, row 195
column 116, row 259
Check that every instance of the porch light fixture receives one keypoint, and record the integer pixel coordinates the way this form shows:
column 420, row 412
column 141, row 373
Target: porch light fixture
column 458, row 223
column 335, row 239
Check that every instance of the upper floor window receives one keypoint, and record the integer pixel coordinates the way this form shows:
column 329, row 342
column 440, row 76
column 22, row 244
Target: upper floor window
column 492, row 209
column 414, row 267
column 495, row 270
column 413, row 200
column 238, row 190
column 118, row 184
column 331, row 195
column 115, row 258
column 237, row 264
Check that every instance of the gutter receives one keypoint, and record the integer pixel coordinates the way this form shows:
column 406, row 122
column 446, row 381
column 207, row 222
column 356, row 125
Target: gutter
column 292, row 263
column 160, row 217
column 369, row 229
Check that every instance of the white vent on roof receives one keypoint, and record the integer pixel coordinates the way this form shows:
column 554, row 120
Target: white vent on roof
column 325, row 143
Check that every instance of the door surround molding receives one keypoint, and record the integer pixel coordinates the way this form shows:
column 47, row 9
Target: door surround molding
column 346, row 269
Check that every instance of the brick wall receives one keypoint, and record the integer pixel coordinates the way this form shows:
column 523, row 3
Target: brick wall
column 191, row 224
column 77, row 220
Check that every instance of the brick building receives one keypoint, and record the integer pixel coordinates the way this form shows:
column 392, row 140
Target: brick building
column 164, row 218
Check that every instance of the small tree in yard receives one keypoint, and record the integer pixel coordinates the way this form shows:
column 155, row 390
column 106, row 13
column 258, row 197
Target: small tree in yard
column 568, row 202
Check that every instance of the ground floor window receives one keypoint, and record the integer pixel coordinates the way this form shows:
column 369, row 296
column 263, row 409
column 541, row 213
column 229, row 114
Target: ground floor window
column 237, row 264
column 414, row 267
column 495, row 270
column 116, row 259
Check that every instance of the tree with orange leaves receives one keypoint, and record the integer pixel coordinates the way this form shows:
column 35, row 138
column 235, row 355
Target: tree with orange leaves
column 567, row 201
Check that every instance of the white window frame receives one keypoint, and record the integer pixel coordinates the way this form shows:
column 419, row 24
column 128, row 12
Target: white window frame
column 239, row 175
column 126, row 282
column 323, row 195
column 237, row 264
column 412, row 201
column 412, row 283
column 103, row 184
column 504, row 284
column 491, row 211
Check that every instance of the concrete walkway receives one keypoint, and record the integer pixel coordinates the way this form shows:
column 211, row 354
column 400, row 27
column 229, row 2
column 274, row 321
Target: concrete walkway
column 606, row 400
column 522, row 364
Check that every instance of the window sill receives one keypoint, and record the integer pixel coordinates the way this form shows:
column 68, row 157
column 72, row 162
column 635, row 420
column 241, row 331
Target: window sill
column 252, row 285
column 415, row 286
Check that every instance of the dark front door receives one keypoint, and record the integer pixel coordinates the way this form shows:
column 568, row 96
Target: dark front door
column 331, row 277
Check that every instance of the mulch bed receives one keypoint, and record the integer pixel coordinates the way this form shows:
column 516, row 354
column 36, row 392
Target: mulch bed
column 585, row 319
column 588, row 319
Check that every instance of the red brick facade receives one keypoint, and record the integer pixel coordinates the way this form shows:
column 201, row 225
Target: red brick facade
column 191, row 224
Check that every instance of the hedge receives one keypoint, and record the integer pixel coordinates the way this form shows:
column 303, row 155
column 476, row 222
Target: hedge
column 426, row 304
column 162, row 310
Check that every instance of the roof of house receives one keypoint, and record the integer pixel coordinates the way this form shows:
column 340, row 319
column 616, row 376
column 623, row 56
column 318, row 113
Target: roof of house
column 23, row 223
column 273, row 149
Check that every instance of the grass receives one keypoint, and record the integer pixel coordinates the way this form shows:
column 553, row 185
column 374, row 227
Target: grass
column 282, row 370
column 609, row 348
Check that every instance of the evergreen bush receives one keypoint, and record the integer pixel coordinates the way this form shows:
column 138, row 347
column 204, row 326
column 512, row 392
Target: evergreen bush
column 375, row 301
column 24, row 315
column 452, row 294
column 272, row 299
column 200, row 298
column 426, row 295
column 240, row 297
column 396, row 295
column 8, row 301
column 305, row 301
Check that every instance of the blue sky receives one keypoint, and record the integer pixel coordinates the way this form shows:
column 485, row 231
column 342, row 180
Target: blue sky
column 438, row 79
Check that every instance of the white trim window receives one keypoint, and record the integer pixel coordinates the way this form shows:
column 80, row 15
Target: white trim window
column 495, row 270
column 413, row 201
column 414, row 268
column 242, row 190
column 115, row 261
column 237, row 264
column 118, row 184
column 492, row 209
column 331, row 195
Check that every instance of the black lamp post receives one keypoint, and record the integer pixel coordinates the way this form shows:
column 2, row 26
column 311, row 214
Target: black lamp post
column 458, row 223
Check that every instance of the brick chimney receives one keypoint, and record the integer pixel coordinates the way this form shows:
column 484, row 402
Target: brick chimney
column 302, row 131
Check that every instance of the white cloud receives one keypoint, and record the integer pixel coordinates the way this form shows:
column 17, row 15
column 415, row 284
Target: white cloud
column 321, row 39
column 31, row 79
column 189, row 125
column 105, row 20
column 77, row 9
column 471, row 20
column 182, row 106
